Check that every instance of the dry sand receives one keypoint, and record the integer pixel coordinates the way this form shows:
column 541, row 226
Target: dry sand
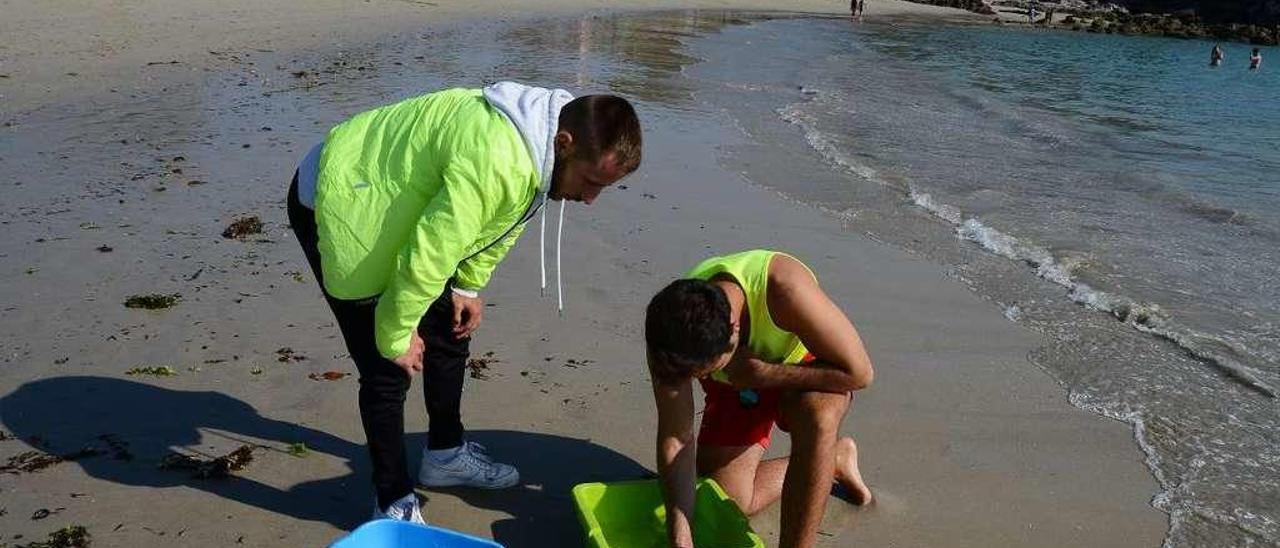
column 964, row 441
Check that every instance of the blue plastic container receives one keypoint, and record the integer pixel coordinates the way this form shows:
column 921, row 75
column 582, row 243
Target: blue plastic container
column 389, row 533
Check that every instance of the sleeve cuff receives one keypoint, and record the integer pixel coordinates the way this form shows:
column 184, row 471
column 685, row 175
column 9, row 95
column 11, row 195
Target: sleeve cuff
column 468, row 293
column 393, row 349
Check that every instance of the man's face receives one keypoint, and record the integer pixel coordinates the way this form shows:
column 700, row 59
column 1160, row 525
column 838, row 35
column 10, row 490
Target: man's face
column 721, row 361
column 711, row 367
column 714, row 364
column 580, row 179
column 705, row 370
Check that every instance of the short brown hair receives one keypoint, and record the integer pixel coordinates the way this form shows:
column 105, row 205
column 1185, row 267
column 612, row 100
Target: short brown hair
column 601, row 124
column 686, row 326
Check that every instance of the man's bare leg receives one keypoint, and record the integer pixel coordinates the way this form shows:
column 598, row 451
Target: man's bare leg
column 814, row 419
column 752, row 483
column 755, row 484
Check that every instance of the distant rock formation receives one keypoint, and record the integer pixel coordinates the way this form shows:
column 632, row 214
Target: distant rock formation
column 1242, row 12
column 1251, row 21
column 976, row 6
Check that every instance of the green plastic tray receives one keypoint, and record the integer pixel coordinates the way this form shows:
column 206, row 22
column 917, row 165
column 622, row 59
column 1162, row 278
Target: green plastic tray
column 630, row 514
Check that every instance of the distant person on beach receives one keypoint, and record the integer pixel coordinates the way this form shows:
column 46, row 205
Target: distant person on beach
column 856, row 7
column 405, row 211
column 1216, row 56
column 767, row 345
column 1255, row 59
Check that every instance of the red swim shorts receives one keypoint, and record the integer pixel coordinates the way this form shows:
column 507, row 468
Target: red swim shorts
column 731, row 418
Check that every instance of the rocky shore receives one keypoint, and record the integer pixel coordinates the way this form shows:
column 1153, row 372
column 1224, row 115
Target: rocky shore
column 1111, row 18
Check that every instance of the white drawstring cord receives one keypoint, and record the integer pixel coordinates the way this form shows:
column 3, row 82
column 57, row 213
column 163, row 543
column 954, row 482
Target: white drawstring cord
column 559, row 288
column 542, row 247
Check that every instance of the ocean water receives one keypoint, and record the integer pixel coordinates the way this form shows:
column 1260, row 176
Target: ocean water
column 1114, row 193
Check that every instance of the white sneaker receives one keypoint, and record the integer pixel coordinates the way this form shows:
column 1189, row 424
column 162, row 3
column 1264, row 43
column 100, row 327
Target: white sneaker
column 405, row 509
column 470, row 467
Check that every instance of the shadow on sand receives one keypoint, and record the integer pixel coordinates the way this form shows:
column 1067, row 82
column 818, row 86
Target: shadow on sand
column 69, row 413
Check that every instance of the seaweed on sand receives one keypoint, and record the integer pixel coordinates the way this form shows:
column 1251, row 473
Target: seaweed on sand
column 215, row 468
column 243, row 227
column 71, row 536
column 152, row 301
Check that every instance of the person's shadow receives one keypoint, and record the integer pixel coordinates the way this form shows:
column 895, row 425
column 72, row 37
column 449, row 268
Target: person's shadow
column 64, row 414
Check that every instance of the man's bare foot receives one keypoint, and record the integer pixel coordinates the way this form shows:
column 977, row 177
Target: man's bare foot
column 848, row 475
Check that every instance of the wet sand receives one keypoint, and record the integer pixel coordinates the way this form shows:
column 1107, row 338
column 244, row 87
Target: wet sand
column 124, row 192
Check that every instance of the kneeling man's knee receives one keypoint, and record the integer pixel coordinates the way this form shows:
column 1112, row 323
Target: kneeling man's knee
column 824, row 410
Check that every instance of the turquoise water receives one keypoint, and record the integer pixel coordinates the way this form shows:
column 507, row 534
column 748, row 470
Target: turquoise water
column 1210, row 131
column 1160, row 174
column 1137, row 189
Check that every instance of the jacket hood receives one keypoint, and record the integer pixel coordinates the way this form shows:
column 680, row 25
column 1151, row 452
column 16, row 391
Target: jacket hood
column 535, row 112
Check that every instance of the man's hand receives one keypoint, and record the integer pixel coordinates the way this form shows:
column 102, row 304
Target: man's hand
column 411, row 360
column 743, row 369
column 467, row 312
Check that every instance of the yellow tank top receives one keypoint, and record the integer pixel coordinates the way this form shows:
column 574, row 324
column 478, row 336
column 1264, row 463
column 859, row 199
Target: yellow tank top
column 750, row 269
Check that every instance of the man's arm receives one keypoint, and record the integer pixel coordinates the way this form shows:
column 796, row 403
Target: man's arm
column 472, row 276
column 474, row 273
column 677, row 465
column 799, row 305
column 450, row 224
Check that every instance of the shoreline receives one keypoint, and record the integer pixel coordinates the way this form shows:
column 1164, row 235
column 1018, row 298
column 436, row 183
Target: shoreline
column 48, row 54
column 242, row 303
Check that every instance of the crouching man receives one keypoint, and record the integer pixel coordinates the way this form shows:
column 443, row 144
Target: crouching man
column 768, row 346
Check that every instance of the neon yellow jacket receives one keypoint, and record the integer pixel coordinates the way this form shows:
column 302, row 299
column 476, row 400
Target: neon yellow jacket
column 412, row 194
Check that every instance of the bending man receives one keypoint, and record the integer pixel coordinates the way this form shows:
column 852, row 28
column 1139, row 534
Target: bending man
column 404, row 212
